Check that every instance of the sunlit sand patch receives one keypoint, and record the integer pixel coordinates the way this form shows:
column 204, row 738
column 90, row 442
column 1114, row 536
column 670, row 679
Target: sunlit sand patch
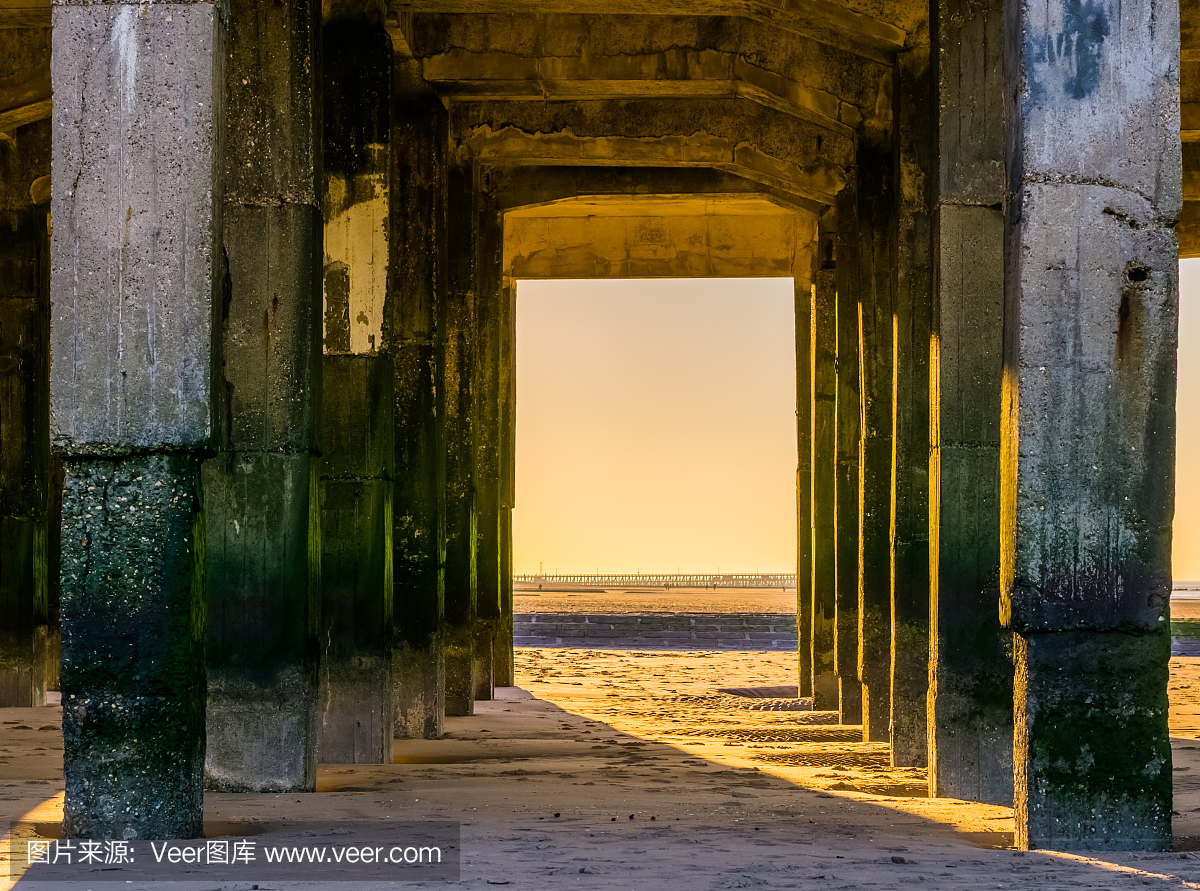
column 670, row 697
column 31, row 825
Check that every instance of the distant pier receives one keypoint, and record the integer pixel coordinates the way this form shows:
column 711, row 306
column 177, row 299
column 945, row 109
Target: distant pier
column 780, row 580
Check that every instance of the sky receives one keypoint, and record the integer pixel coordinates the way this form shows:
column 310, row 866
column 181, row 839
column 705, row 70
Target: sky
column 655, row 426
column 1186, row 543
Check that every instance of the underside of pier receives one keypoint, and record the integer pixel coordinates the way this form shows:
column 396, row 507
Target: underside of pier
column 257, row 389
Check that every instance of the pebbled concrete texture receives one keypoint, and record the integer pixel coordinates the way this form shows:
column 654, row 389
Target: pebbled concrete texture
column 132, row 250
column 133, row 648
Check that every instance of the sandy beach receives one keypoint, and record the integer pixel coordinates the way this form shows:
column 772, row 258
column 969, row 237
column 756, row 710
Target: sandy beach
column 629, row 769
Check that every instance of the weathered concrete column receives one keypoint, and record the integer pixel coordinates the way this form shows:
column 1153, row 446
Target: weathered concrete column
column 502, row 645
column 457, row 330
column 970, row 713
column 135, row 201
column 804, row 300
column 877, row 344
column 848, row 413
column 27, row 565
column 261, row 491
column 916, row 176
column 823, row 459
column 491, row 307
column 420, row 139
column 355, row 698
column 1090, row 327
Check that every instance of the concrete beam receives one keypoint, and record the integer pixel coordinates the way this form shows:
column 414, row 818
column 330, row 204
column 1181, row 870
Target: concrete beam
column 24, row 14
column 520, row 187
column 755, row 142
column 651, row 245
column 860, row 30
column 587, row 57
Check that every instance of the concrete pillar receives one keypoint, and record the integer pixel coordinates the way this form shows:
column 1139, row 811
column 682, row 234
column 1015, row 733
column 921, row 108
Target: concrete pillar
column 848, row 413
column 355, row 696
column 261, row 490
column 458, row 331
column 419, row 142
column 877, row 346
column 1090, row 325
column 804, row 479
column 137, row 99
column 26, row 492
column 823, row 457
column 502, row 644
column 915, row 179
column 491, row 307
column 970, row 712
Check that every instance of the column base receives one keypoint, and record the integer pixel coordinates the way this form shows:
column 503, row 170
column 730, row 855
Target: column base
column 850, row 701
column 419, row 688
column 910, row 690
column 970, row 713
column 825, row 692
column 354, row 713
column 485, row 634
column 876, row 710
column 460, row 671
column 1092, row 748
column 261, row 732
column 503, row 663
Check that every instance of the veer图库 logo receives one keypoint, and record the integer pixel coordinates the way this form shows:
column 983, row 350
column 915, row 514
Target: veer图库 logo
column 352, row 853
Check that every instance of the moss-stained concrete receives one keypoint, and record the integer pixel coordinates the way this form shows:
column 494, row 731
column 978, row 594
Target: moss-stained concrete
column 418, row 245
column 355, row 699
column 876, row 299
column 28, row 549
column 458, row 335
column 824, row 471
column 1094, row 771
column 848, row 414
column 914, row 121
column 133, row 257
column 262, row 490
column 133, row 648
column 492, row 308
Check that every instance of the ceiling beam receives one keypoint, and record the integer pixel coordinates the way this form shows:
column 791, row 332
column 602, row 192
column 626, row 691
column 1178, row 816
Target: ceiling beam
column 827, row 22
column 680, row 73
column 24, row 14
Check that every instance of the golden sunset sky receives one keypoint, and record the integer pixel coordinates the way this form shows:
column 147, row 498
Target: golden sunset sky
column 1186, row 545
column 655, row 426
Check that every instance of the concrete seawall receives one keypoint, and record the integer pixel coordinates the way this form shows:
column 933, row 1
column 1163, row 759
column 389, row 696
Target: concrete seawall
column 688, row 631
